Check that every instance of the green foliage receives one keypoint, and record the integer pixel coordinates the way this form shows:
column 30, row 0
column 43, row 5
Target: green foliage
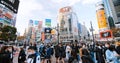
column 8, row 33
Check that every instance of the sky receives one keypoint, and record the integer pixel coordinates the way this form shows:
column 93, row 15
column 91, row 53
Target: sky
column 48, row 9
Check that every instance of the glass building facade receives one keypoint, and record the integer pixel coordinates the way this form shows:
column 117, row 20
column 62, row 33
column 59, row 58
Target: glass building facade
column 112, row 9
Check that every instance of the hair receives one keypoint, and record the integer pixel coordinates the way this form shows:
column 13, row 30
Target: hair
column 31, row 47
column 3, row 49
column 112, row 48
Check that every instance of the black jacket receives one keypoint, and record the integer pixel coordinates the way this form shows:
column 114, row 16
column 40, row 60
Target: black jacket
column 99, row 55
column 118, row 49
column 22, row 56
column 5, row 57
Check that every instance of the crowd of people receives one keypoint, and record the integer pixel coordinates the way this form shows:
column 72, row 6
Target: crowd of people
column 98, row 52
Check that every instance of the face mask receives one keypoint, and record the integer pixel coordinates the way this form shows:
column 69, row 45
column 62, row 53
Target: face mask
column 29, row 53
column 106, row 45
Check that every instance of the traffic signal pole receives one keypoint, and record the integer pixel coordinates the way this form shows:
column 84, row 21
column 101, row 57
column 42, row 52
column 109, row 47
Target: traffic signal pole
column 92, row 31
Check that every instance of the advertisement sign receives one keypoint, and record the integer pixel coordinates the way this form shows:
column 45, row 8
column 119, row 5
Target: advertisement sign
column 65, row 9
column 8, row 15
column 36, row 23
column 48, row 30
column 31, row 21
column 102, row 22
column 48, row 22
column 11, row 4
column 106, row 34
column 43, row 36
column 40, row 25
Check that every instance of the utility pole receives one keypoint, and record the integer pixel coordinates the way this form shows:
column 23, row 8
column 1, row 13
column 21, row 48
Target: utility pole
column 58, row 32
column 92, row 30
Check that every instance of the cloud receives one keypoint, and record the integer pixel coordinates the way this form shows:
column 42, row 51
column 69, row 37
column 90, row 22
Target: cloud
column 66, row 2
column 42, row 9
column 90, row 1
column 25, row 13
column 27, row 6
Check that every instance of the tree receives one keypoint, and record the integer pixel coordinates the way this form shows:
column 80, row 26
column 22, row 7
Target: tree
column 8, row 33
column 20, row 38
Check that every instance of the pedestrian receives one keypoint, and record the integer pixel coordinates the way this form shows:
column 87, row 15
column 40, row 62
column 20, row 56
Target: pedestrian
column 74, row 56
column 92, row 50
column 22, row 56
column 56, row 52
column 68, row 51
column 106, row 46
column 85, row 55
column 118, row 49
column 33, row 57
column 99, row 53
column 62, row 53
column 48, row 54
column 111, row 55
column 5, row 54
column 42, row 52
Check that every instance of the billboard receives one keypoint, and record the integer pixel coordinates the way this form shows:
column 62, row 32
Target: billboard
column 47, row 30
column 40, row 25
column 11, row 4
column 102, row 21
column 36, row 23
column 8, row 15
column 48, row 22
column 65, row 9
column 106, row 34
column 42, row 36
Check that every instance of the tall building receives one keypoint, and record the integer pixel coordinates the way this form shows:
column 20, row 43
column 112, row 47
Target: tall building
column 34, row 31
column 112, row 8
column 68, row 25
column 105, row 21
column 8, row 12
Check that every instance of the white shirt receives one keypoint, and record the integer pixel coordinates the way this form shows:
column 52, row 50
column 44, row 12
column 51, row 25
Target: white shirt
column 68, row 48
column 30, row 60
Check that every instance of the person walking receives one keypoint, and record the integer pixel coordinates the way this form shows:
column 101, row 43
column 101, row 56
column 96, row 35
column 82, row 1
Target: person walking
column 56, row 48
column 85, row 55
column 61, row 54
column 118, row 49
column 5, row 54
column 42, row 51
column 99, row 53
column 22, row 56
column 111, row 55
column 68, row 51
column 33, row 56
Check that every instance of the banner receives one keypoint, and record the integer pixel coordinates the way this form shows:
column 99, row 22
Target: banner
column 106, row 34
column 11, row 4
column 36, row 23
column 42, row 36
column 31, row 21
column 40, row 25
column 48, row 22
column 102, row 22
